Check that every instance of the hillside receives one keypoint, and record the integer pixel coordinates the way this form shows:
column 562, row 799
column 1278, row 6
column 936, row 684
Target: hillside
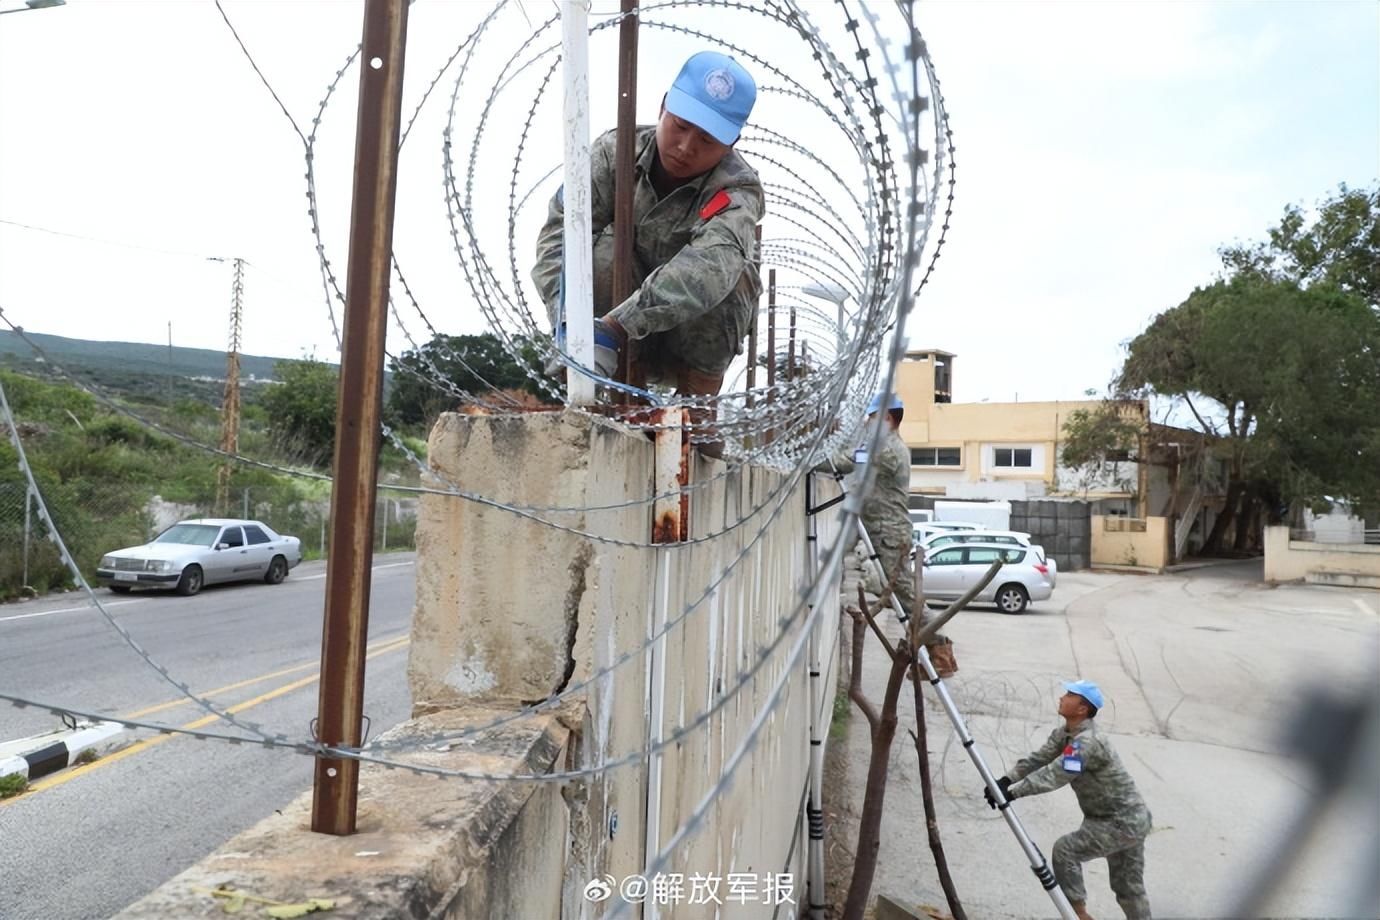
column 103, row 359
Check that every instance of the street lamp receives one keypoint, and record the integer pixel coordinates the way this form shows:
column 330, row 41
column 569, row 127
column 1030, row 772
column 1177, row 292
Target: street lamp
column 833, row 293
column 35, row 5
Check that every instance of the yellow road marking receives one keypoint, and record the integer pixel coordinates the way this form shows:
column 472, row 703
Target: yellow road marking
column 57, row 779
column 184, row 701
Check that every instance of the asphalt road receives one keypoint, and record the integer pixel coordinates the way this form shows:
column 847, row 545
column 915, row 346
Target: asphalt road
column 86, row 842
column 1205, row 674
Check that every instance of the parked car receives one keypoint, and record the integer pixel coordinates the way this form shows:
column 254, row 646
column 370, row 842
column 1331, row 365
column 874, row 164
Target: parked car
column 918, row 532
column 191, row 554
column 950, row 571
column 1009, row 537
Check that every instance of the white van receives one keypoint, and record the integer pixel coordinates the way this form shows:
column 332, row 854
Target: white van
column 988, row 515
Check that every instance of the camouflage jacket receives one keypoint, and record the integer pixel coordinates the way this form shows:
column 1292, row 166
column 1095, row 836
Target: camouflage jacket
column 1085, row 759
column 886, row 507
column 690, row 263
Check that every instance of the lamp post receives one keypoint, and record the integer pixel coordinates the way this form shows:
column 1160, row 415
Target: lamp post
column 35, row 5
column 833, row 293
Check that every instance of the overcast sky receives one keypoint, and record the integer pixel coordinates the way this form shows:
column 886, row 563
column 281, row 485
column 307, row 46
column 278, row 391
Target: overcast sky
column 1105, row 150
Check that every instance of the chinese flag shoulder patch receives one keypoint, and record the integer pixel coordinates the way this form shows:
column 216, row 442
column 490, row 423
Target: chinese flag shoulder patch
column 715, row 205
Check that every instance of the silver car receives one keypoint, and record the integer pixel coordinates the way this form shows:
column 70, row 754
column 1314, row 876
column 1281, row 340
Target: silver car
column 952, row 570
column 191, row 554
column 1012, row 537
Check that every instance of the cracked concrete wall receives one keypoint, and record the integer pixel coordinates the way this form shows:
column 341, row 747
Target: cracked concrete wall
column 511, row 609
column 500, row 595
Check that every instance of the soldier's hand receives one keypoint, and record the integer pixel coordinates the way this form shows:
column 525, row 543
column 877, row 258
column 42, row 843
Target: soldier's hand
column 1004, row 784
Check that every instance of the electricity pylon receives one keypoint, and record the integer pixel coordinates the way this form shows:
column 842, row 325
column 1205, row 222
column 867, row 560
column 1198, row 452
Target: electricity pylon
column 230, row 404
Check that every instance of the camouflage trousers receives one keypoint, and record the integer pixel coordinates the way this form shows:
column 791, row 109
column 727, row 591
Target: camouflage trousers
column 893, row 553
column 1122, row 844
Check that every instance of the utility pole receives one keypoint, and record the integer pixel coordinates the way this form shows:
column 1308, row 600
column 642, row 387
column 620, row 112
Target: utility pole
column 340, row 707
column 230, row 403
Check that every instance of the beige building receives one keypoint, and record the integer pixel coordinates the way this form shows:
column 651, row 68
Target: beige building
column 1001, row 451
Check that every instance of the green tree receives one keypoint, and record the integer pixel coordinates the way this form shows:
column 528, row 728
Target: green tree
column 1338, row 245
column 1285, row 379
column 1097, row 440
column 429, row 380
column 301, row 409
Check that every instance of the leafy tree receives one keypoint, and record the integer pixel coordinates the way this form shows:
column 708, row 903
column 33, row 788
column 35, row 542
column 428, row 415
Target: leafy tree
column 1285, row 378
column 301, row 409
column 433, row 378
column 1097, row 440
column 1340, row 246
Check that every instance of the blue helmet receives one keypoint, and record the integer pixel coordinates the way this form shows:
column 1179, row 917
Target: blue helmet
column 876, row 403
column 1087, row 690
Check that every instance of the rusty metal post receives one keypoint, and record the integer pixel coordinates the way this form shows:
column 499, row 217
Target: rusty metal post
column 752, row 329
column 771, row 328
column 623, row 157
column 770, row 434
column 341, row 706
column 625, row 148
column 790, row 348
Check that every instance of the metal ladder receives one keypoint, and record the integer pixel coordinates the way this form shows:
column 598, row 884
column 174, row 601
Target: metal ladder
column 1037, row 861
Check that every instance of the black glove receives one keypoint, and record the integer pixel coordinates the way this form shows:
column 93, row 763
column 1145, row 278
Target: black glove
column 1004, row 785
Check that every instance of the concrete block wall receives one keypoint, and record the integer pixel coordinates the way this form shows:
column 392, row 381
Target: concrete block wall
column 1063, row 528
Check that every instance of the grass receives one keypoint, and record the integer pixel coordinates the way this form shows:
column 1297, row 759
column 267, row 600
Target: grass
column 12, row 785
column 85, row 757
column 838, row 722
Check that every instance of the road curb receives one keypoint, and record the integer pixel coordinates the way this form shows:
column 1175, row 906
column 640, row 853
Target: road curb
column 40, row 755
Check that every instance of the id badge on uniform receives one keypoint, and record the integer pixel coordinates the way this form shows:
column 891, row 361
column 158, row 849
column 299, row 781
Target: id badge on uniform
column 1073, row 759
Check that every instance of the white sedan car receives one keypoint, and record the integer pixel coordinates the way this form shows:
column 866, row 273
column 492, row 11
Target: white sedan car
column 951, row 570
column 191, row 554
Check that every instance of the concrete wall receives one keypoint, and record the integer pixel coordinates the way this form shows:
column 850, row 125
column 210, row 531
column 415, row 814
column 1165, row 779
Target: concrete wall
column 1353, row 564
column 531, row 608
column 511, row 610
column 1141, row 543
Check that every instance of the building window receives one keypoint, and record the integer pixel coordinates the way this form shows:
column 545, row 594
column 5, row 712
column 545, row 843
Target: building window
column 1012, row 457
column 936, row 456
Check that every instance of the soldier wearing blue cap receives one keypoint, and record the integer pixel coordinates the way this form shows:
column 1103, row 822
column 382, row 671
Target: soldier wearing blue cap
column 1115, row 819
column 886, row 518
column 696, row 203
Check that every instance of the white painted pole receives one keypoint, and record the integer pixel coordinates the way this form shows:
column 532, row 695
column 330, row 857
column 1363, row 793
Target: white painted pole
column 666, row 467
column 578, row 247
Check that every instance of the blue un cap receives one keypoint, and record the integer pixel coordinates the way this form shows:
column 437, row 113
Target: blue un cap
column 714, row 93
column 1087, row 690
column 893, row 403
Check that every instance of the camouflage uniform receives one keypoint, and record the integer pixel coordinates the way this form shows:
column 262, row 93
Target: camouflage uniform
column 886, row 518
column 1115, row 819
column 697, row 283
